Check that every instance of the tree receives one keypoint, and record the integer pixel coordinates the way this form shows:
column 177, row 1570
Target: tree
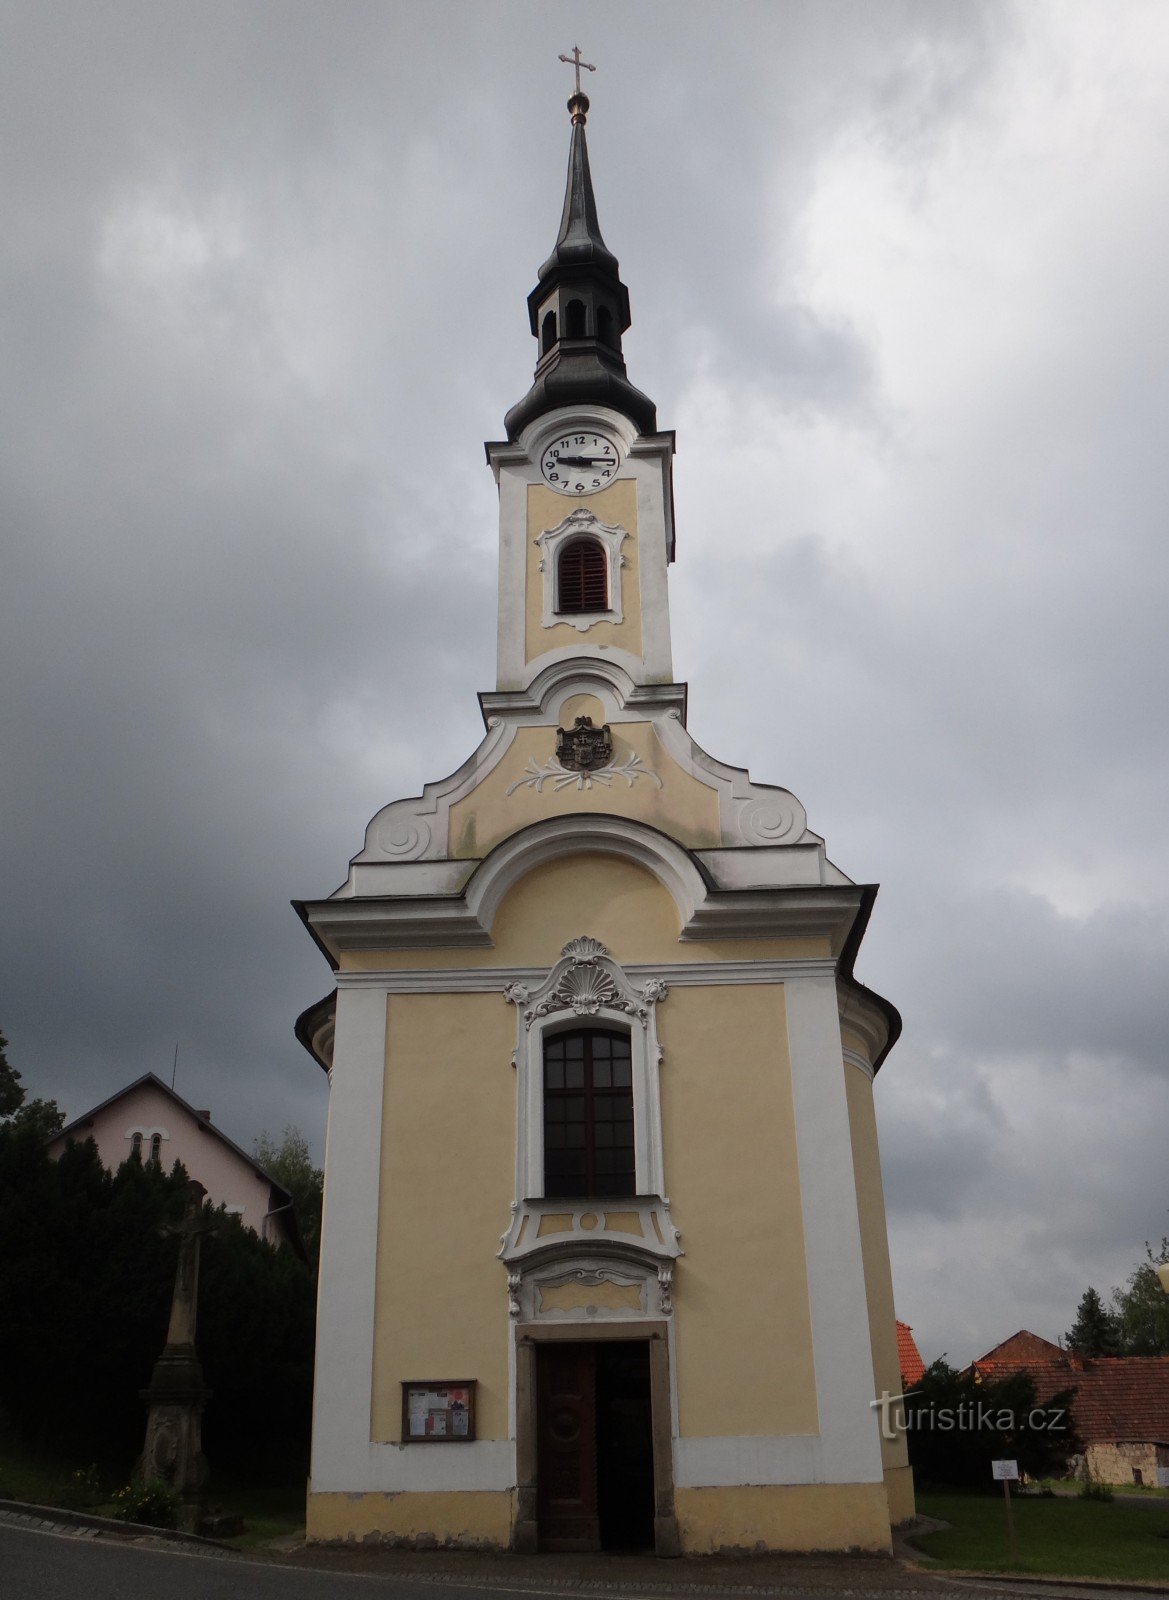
column 957, row 1423
column 43, row 1117
column 11, row 1090
column 290, row 1163
column 88, row 1271
column 1141, row 1308
column 1096, row 1331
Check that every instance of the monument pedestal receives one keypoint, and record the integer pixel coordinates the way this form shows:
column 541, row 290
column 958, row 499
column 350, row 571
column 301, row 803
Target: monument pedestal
column 173, row 1452
column 176, row 1395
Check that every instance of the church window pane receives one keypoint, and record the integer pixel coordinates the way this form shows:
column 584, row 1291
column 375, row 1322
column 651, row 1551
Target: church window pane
column 582, row 578
column 588, row 1137
column 136, row 1143
column 155, row 1147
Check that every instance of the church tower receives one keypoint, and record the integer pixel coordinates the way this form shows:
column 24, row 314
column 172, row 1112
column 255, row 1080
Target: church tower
column 604, row 1258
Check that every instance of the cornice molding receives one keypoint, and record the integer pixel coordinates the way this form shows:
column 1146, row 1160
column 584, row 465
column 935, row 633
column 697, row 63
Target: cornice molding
column 852, row 1059
column 863, row 1015
column 491, row 980
column 354, row 922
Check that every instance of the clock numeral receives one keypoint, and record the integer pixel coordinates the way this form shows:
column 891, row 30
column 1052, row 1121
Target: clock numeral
column 553, row 477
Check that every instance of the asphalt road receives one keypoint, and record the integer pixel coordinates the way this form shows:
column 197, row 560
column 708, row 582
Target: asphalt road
column 41, row 1564
column 51, row 1566
column 38, row 1564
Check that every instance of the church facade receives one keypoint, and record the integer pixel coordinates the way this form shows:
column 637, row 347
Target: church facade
column 604, row 1258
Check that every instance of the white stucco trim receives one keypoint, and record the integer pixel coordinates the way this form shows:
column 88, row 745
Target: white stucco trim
column 512, row 588
column 853, row 1059
column 490, row 980
column 718, row 1463
column 541, row 431
column 606, row 654
column 849, row 1433
column 395, row 1468
column 543, row 842
column 655, row 551
column 541, row 1012
column 343, row 1389
column 581, row 524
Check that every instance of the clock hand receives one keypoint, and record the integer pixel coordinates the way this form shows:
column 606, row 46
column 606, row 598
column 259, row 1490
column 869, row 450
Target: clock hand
column 584, row 461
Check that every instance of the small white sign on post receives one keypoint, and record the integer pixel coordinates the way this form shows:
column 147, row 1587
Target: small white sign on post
column 1005, row 1470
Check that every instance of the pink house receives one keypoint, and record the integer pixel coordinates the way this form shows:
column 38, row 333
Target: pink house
column 162, row 1127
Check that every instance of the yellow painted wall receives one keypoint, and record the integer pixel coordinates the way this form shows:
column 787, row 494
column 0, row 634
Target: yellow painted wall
column 740, row 1291
column 870, row 1197
column 464, row 1517
column 447, row 1180
column 617, row 506
column 682, row 807
column 803, row 1516
column 899, row 1490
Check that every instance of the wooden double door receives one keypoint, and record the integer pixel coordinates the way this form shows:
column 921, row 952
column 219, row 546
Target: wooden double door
column 594, row 1450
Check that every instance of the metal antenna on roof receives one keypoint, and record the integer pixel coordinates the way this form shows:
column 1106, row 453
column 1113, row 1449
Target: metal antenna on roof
column 174, row 1071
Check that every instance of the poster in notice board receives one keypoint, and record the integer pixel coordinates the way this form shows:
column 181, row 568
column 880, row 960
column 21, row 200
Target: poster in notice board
column 438, row 1412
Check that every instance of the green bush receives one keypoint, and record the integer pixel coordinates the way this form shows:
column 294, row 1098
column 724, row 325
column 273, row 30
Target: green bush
column 155, row 1504
column 83, row 1489
column 1093, row 1489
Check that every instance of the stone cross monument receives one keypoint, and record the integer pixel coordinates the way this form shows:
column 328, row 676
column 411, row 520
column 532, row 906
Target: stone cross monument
column 173, row 1452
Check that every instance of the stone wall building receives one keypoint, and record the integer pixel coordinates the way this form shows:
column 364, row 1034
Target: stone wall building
column 1121, row 1404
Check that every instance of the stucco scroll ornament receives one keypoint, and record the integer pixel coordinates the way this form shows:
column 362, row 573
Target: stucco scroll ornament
column 553, row 772
column 585, row 980
column 514, row 1280
column 666, row 1287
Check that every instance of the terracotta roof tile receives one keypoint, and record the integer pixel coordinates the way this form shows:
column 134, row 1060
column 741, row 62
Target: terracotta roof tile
column 908, row 1356
column 1119, row 1399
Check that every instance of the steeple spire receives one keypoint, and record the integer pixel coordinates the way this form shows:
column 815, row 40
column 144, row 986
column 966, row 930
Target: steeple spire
column 580, row 308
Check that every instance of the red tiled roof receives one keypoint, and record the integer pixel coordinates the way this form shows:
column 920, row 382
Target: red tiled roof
column 1022, row 1349
column 1119, row 1399
column 908, row 1356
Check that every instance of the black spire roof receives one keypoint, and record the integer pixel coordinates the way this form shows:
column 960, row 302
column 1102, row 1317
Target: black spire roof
column 579, row 309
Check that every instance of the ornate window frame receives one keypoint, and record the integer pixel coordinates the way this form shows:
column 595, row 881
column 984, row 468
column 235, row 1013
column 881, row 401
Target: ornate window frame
column 587, row 985
column 580, row 524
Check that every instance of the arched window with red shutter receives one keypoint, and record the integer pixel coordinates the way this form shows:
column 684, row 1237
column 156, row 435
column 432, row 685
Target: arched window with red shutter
column 582, row 578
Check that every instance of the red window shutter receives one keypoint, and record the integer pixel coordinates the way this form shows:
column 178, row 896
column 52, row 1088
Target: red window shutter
column 582, row 578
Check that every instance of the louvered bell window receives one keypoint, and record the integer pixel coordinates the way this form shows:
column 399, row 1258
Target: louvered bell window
column 582, row 578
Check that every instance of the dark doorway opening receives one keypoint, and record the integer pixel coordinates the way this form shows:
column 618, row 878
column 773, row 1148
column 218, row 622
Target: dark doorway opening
column 595, row 1483
column 625, row 1463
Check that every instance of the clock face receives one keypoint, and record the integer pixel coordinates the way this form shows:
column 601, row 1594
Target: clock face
column 580, row 462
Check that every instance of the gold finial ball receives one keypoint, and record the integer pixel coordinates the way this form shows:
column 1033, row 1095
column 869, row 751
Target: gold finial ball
column 578, row 105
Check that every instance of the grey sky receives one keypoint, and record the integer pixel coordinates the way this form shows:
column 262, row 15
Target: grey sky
column 897, row 274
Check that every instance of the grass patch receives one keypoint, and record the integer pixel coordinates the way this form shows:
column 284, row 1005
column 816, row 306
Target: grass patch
column 1067, row 1536
column 45, row 1481
column 270, row 1511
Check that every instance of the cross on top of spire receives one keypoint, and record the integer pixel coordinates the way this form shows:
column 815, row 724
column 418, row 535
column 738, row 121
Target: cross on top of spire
column 578, row 101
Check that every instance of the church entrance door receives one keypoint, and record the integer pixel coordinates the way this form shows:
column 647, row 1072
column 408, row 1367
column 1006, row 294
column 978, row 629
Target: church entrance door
column 594, row 1474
